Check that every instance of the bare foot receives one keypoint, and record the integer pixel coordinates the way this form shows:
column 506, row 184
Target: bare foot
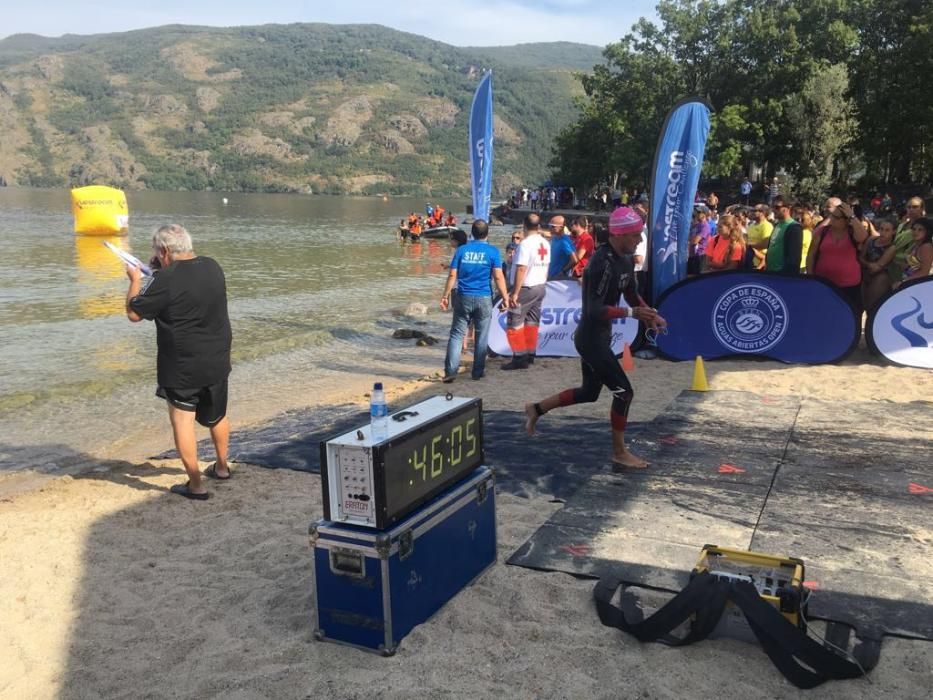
column 627, row 459
column 531, row 418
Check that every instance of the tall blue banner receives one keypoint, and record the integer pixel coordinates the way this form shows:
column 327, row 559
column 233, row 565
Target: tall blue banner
column 481, row 147
column 674, row 179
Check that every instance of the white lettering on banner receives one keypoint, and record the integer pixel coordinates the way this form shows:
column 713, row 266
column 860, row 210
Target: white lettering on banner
column 749, row 318
column 679, row 164
column 480, row 152
column 560, row 314
column 902, row 327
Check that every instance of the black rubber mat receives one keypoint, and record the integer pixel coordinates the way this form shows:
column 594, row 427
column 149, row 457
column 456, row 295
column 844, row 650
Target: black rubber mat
column 558, row 461
column 843, row 487
column 707, row 483
column 851, row 498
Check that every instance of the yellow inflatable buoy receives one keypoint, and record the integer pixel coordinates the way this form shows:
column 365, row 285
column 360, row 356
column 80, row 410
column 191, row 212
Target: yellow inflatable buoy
column 99, row 211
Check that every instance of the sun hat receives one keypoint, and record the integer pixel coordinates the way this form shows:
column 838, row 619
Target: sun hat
column 624, row 220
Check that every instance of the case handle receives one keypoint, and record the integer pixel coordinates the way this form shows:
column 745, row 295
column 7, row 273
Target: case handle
column 347, row 562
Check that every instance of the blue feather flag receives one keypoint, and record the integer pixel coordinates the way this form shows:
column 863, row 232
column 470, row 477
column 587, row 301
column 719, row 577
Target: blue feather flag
column 481, row 147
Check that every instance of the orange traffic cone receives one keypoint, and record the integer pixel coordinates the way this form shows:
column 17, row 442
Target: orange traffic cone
column 628, row 364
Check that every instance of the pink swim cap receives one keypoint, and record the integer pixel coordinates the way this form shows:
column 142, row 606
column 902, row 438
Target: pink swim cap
column 624, row 220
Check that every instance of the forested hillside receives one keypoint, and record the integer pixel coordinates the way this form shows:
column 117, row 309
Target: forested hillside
column 301, row 107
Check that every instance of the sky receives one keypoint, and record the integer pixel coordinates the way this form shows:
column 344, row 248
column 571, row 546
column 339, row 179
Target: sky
column 456, row 22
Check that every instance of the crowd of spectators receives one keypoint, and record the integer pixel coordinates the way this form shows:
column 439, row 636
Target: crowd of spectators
column 865, row 251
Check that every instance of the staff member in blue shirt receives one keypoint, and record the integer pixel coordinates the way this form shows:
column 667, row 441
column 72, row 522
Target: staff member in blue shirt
column 471, row 269
column 563, row 255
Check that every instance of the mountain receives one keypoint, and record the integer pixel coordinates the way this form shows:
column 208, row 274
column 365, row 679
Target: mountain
column 340, row 109
column 554, row 55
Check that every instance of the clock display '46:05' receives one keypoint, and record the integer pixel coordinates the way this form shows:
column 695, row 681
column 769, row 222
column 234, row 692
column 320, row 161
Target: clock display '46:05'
column 447, row 448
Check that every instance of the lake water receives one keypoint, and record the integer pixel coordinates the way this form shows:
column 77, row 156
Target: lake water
column 315, row 288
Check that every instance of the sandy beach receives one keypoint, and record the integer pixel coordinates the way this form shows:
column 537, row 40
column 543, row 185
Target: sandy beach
column 112, row 587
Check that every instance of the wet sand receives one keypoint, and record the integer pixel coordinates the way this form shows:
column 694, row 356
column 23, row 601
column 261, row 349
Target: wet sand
column 112, row 587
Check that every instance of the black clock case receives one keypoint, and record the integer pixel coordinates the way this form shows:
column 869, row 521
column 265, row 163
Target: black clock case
column 384, row 518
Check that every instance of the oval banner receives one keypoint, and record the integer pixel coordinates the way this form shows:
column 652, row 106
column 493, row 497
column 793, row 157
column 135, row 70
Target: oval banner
column 789, row 319
column 901, row 326
column 560, row 314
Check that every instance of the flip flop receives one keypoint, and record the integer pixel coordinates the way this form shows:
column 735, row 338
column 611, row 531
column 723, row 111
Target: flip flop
column 211, row 473
column 185, row 490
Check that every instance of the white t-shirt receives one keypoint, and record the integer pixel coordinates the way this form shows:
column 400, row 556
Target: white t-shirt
column 534, row 252
column 642, row 250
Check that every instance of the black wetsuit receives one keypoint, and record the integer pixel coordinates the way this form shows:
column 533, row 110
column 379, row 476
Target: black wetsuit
column 607, row 277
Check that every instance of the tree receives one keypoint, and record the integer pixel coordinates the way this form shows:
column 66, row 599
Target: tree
column 890, row 75
column 822, row 119
column 814, row 87
column 626, row 101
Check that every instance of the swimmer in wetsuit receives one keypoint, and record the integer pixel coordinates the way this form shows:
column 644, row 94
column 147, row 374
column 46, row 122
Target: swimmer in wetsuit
column 609, row 275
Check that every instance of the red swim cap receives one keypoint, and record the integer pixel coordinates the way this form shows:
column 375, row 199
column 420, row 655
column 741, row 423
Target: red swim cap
column 624, row 220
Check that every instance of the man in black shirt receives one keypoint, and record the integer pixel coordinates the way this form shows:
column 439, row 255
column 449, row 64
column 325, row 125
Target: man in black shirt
column 187, row 299
column 609, row 275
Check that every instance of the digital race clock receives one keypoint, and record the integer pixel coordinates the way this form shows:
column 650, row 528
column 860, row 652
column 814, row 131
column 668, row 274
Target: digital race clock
column 430, row 446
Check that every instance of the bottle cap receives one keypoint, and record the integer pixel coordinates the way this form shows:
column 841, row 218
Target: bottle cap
column 377, row 386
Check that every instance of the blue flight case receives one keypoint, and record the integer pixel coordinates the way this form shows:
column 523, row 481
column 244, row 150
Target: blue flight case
column 372, row 587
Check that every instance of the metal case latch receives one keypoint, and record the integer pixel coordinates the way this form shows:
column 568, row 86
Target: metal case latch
column 406, row 545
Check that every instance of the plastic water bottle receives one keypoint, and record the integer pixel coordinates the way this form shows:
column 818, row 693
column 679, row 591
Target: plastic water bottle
column 378, row 414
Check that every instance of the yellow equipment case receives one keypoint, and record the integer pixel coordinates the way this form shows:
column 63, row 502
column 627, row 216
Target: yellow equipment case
column 778, row 580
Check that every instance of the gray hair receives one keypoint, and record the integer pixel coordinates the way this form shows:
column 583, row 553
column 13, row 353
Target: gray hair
column 174, row 238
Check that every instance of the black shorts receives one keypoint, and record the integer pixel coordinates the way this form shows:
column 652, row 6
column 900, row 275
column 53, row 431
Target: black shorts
column 209, row 403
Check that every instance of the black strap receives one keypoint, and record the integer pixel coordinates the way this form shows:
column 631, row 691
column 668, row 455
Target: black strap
column 787, row 646
column 803, row 661
column 705, row 597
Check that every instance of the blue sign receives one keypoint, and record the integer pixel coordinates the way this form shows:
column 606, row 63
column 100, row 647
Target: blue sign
column 481, row 147
column 901, row 325
column 674, row 179
column 789, row 319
